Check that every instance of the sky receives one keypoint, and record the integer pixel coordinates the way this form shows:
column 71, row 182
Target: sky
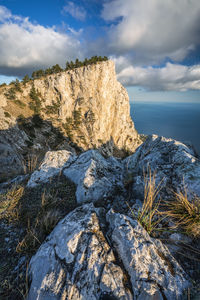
column 155, row 44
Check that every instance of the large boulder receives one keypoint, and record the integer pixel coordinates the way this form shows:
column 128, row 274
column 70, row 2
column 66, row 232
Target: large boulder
column 154, row 273
column 76, row 262
column 52, row 165
column 96, row 177
column 174, row 162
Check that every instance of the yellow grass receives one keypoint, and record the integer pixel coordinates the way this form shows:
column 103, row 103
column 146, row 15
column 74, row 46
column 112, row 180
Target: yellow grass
column 30, row 164
column 9, row 203
column 149, row 216
column 185, row 213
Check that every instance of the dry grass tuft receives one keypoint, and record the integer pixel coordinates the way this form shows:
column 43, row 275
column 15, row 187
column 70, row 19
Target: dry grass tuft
column 185, row 213
column 30, row 164
column 42, row 208
column 148, row 215
column 9, row 203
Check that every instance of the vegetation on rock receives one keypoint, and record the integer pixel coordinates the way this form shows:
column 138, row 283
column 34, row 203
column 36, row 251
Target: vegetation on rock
column 69, row 66
column 35, row 212
column 35, row 96
column 185, row 213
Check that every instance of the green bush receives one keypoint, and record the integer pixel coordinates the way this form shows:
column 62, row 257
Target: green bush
column 77, row 118
column 93, row 60
column 10, row 94
column 25, row 79
column 19, row 103
column 54, row 108
column 7, row 115
column 35, row 104
column 17, row 85
column 3, row 84
column 38, row 74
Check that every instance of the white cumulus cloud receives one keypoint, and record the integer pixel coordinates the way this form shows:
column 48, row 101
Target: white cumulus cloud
column 25, row 45
column 171, row 77
column 151, row 30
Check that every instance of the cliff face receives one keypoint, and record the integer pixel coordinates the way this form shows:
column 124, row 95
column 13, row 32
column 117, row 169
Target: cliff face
column 95, row 104
column 88, row 106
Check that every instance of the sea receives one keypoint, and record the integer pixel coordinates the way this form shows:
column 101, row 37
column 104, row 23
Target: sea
column 180, row 121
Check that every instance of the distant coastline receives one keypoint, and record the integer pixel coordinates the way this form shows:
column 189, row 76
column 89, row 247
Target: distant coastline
column 180, row 121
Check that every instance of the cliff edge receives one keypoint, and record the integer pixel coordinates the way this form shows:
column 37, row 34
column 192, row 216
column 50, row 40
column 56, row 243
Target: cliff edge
column 88, row 106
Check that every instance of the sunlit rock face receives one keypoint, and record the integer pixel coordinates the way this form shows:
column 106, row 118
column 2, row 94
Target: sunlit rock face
column 174, row 163
column 77, row 261
column 103, row 104
column 87, row 105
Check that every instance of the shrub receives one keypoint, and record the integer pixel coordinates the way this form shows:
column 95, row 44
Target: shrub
column 68, row 127
column 17, row 85
column 10, row 94
column 37, row 121
column 35, row 104
column 77, row 118
column 25, row 79
column 7, row 115
column 184, row 213
column 21, row 118
column 37, row 74
column 19, row 103
column 93, row 60
column 54, row 108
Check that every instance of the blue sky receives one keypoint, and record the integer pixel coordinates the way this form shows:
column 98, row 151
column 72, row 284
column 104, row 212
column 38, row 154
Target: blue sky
column 155, row 44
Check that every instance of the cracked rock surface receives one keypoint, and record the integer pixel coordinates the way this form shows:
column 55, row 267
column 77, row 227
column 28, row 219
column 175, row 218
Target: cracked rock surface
column 152, row 269
column 95, row 176
column 77, row 262
column 174, row 162
column 52, row 164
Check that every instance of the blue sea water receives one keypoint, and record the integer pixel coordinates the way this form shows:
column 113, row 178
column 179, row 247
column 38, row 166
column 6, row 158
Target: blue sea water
column 180, row 121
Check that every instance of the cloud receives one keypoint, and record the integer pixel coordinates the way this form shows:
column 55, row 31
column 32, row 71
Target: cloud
column 4, row 13
column 26, row 46
column 153, row 30
column 171, row 77
column 77, row 12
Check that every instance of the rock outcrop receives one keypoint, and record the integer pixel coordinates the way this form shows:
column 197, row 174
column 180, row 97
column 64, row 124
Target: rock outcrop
column 96, row 177
column 152, row 269
column 77, row 262
column 93, row 96
column 101, row 248
column 87, row 105
column 52, row 165
column 174, row 163
column 96, row 252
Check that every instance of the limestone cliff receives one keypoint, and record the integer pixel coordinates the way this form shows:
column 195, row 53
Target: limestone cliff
column 88, row 105
column 95, row 104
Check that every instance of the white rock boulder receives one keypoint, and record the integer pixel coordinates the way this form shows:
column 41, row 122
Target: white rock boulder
column 53, row 163
column 76, row 262
column 96, row 177
column 154, row 273
column 173, row 162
